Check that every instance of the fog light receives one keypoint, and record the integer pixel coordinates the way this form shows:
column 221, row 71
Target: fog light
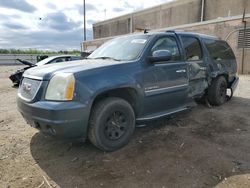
column 37, row 125
column 51, row 130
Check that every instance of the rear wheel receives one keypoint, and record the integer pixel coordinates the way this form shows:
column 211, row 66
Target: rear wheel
column 217, row 91
column 112, row 124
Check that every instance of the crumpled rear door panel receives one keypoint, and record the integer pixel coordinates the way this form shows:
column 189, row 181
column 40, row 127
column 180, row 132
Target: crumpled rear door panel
column 197, row 78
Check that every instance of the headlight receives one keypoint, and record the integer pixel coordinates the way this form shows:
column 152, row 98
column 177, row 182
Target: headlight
column 61, row 87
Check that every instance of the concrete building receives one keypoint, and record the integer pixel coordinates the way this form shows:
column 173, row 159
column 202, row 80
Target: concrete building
column 223, row 18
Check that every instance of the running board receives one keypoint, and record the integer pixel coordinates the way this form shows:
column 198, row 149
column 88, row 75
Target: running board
column 159, row 115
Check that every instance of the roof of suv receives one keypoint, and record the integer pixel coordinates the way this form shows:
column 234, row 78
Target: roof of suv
column 195, row 34
column 204, row 36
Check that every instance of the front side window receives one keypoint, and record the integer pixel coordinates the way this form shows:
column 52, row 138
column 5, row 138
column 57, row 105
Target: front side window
column 219, row 50
column 192, row 48
column 74, row 58
column 45, row 61
column 167, row 43
column 122, row 48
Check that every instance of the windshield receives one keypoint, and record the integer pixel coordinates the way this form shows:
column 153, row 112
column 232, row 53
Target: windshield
column 122, row 48
column 44, row 61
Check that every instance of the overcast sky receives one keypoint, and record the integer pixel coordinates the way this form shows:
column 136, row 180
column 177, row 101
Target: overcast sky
column 57, row 24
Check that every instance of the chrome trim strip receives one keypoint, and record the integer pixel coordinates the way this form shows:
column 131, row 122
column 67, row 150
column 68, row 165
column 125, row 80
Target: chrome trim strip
column 165, row 88
column 162, row 115
column 181, row 71
column 169, row 64
column 33, row 77
column 25, row 99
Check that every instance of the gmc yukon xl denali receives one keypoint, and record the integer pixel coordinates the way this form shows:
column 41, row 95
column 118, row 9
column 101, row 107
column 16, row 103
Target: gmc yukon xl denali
column 129, row 79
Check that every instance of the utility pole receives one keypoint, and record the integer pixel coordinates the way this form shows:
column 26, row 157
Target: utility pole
column 84, row 21
column 105, row 13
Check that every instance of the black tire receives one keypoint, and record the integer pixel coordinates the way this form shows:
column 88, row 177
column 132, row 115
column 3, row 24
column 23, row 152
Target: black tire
column 217, row 91
column 112, row 123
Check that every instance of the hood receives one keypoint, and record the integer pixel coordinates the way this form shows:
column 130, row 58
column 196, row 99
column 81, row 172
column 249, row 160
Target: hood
column 45, row 72
column 26, row 62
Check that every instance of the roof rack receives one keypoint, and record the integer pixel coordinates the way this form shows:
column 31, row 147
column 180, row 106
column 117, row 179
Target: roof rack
column 171, row 31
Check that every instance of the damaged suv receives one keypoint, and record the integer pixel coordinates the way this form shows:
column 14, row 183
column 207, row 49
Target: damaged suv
column 133, row 78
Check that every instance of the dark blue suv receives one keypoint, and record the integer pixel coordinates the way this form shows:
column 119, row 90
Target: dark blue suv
column 129, row 79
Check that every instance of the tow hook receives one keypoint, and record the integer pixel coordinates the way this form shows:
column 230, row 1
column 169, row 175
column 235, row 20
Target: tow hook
column 207, row 103
column 229, row 97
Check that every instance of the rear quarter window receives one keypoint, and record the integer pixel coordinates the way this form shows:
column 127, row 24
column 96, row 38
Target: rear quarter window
column 219, row 50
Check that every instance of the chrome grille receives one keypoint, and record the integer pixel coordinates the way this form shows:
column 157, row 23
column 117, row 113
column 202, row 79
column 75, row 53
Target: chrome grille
column 29, row 88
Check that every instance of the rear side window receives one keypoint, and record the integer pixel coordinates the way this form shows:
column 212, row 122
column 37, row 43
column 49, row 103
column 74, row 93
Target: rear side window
column 219, row 50
column 74, row 58
column 192, row 48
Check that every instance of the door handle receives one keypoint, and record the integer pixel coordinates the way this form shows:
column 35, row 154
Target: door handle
column 181, row 71
column 203, row 68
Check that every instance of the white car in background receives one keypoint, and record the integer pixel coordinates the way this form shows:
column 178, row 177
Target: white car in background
column 17, row 76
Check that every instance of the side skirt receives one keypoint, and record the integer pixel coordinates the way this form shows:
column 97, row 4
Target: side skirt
column 166, row 113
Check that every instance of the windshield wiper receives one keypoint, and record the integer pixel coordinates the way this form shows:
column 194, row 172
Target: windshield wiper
column 107, row 58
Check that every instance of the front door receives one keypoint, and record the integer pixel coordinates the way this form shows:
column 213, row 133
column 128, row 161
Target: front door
column 166, row 82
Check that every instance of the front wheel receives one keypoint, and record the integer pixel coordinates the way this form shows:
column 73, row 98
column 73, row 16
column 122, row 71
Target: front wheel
column 217, row 91
column 112, row 124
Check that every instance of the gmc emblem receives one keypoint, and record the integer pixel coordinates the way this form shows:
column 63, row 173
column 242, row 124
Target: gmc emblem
column 26, row 87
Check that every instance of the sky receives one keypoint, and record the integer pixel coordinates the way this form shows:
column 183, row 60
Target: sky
column 57, row 24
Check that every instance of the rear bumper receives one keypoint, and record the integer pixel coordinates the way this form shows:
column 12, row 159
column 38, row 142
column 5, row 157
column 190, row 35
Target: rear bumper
column 234, row 83
column 67, row 120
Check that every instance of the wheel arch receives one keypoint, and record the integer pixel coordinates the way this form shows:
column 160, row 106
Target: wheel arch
column 218, row 74
column 129, row 94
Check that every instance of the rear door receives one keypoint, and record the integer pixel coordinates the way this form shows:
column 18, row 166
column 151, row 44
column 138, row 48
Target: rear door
column 196, row 67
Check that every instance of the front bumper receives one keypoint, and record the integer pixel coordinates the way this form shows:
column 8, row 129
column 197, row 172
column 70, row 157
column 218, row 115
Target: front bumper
column 67, row 120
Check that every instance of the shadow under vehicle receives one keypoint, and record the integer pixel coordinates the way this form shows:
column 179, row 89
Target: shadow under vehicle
column 198, row 148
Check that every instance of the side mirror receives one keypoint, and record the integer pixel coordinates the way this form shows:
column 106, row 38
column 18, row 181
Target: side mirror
column 160, row 55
